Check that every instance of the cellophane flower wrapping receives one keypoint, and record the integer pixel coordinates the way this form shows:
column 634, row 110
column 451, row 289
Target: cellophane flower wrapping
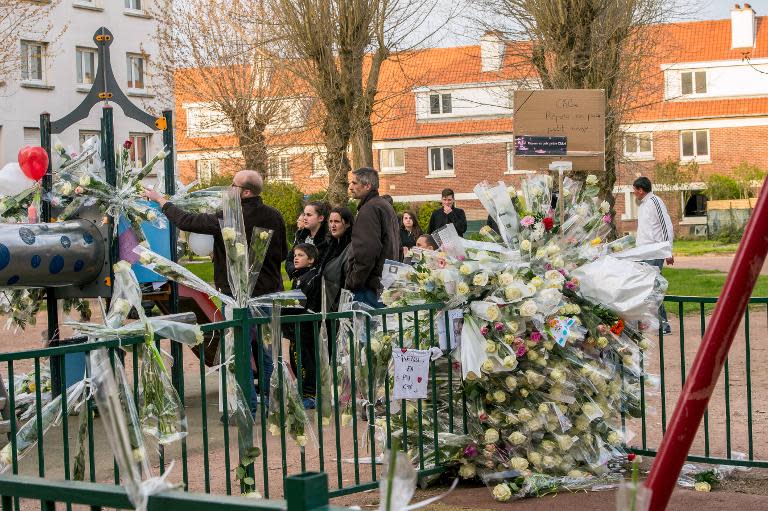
column 287, row 415
column 235, row 245
column 50, row 414
column 325, row 381
column 551, row 349
column 260, row 240
column 118, row 414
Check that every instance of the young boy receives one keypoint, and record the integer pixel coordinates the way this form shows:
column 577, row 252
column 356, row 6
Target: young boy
column 426, row 242
column 306, row 278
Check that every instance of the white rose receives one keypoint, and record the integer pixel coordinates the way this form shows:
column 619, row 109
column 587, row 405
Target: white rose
column 517, row 438
column 578, row 474
column 591, row 179
column 565, row 441
column 274, row 430
column 228, row 233
column 537, row 282
column 375, row 346
column 528, row 308
column 510, row 362
column 702, row 486
column 151, row 216
column 465, row 269
column 301, row 440
column 467, row 471
column 534, row 458
column 512, row 293
column 506, row 279
column 487, row 366
column 499, row 396
column 524, row 414
column 239, row 249
column 66, row 188
column 602, row 342
column 554, row 275
column 557, row 375
column 480, row 279
column 161, row 155
column 490, row 347
column 518, row 463
column 502, row 493
column 605, row 207
column 462, row 288
column 511, row 382
column 525, row 245
column 85, row 180
column 491, row 436
column 122, row 306
column 493, row 312
column 346, row 419
column 614, row 438
column 644, row 344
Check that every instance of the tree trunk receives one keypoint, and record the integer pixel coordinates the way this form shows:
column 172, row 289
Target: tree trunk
column 362, row 145
column 253, row 145
column 337, row 137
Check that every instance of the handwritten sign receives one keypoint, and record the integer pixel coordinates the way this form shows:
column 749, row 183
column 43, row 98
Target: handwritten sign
column 577, row 114
column 455, row 324
column 526, row 145
column 412, row 372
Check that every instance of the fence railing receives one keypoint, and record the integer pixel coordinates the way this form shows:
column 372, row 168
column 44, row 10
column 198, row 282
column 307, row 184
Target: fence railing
column 736, row 417
column 207, row 458
column 305, row 492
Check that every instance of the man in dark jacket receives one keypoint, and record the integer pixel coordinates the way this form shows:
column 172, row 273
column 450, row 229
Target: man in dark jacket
column 255, row 214
column 375, row 237
column 448, row 214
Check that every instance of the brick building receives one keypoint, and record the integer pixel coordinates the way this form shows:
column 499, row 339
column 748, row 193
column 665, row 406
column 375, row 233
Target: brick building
column 445, row 119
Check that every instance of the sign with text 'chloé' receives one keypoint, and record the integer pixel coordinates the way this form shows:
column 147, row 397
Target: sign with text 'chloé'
column 576, row 114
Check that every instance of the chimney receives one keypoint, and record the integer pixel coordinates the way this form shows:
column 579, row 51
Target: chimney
column 743, row 26
column 492, row 47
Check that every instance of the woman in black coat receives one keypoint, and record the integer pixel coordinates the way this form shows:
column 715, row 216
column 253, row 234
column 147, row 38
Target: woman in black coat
column 410, row 230
column 315, row 232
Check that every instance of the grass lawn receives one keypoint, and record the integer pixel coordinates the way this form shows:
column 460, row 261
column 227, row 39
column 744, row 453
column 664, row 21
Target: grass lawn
column 702, row 247
column 204, row 270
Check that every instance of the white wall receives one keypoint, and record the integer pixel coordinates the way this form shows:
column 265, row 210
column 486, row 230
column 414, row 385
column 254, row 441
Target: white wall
column 478, row 100
column 724, row 79
column 20, row 107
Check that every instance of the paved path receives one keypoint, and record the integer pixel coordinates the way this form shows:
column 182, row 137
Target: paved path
column 710, row 262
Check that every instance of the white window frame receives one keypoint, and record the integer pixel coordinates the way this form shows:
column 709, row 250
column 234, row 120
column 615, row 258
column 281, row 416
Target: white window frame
column 31, row 136
column 80, row 52
column 441, row 103
column 511, row 162
column 131, row 81
column 318, row 165
column 83, row 135
column 441, row 172
column 701, row 158
column 283, row 168
column 134, row 137
column 134, row 5
column 205, row 121
column 24, row 50
column 387, row 161
column 630, row 206
column 638, row 154
column 693, row 73
column 206, row 169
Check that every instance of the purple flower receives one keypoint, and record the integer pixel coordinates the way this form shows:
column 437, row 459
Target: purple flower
column 470, row 451
column 607, row 219
column 547, row 266
column 499, row 326
column 563, row 272
column 527, row 221
column 484, row 330
column 536, row 336
column 570, row 285
column 520, row 350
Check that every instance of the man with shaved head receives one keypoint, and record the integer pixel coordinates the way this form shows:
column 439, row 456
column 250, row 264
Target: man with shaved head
column 255, row 214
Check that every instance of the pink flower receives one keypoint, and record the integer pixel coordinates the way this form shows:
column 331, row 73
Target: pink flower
column 602, row 329
column 441, row 262
column 79, row 190
column 607, row 219
column 460, row 258
column 499, row 326
column 570, row 285
column 536, row 336
column 520, row 350
column 527, row 221
column 547, row 266
column 563, row 272
column 484, row 330
column 470, row 451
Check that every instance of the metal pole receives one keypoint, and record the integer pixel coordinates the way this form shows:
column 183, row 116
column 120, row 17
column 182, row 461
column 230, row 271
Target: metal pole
column 711, row 356
column 51, row 303
column 111, row 175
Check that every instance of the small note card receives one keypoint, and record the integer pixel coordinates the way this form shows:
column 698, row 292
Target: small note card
column 412, row 372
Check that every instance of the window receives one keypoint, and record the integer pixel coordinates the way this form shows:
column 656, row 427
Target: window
column 278, row 168
column 318, row 165
column 693, row 82
column 86, row 66
column 84, row 135
column 138, row 150
column 630, row 207
column 32, row 61
column 441, row 160
column 206, row 169
column 135, row 71
column 439, row 104
column 202, row 121
column 134, row 5
column 696, row 205
column 638, row 145
column 694, row 144
column 32, row 136
column 392, row 161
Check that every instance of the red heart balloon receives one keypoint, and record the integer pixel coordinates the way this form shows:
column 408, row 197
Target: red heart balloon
column 33, row 161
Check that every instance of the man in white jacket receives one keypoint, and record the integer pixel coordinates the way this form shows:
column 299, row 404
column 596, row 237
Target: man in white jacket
column 653, row 226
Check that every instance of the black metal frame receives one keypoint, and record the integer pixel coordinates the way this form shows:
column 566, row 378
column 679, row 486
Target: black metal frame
column 106, row 89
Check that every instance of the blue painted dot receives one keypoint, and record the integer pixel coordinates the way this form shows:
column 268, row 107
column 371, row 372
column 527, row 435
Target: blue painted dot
column 27, row 236
column 13, row 280
column 87, row 238
column 57, row 264
column 79, row 265
column 36, row 260
column 5, row 256
column 65, row 242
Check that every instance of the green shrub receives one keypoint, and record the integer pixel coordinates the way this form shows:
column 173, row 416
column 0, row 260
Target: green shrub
column 286, row 198
column 721, row 187
column 401, row 207
column 425, row 212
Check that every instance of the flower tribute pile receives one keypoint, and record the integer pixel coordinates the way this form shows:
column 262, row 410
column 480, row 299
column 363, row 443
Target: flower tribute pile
column 553, row 336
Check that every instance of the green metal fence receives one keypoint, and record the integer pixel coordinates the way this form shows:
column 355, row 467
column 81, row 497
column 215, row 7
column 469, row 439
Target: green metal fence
column 305, row 492
column 735, row 423
column 207, row 457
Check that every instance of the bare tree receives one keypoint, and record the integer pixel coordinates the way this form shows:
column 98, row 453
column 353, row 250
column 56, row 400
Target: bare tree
column 337, row 47
column 589, row 44
column 22, row 19
column 218, row 54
